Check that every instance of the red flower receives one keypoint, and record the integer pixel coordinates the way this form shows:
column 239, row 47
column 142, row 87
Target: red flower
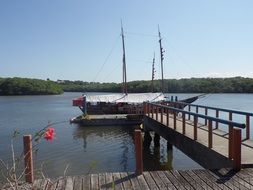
column 49, row 134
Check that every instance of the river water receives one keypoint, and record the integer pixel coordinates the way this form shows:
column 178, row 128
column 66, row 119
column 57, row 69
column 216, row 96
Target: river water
column 90, row 149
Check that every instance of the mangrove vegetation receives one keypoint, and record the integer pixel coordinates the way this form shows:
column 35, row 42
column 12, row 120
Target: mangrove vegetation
column 192, row 85
column 25, row 86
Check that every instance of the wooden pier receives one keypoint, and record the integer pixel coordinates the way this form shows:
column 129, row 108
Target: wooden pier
column 194, row 133
column 190, row 179
column 198, row 135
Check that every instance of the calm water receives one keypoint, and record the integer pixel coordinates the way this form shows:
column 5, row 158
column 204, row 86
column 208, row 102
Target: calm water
column 90, row 149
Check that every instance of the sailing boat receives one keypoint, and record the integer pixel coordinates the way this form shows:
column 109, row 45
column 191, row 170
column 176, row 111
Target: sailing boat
column 123, row 103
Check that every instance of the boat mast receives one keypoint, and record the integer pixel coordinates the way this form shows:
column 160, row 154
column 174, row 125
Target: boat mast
column 161, row 52
column 153, row 73
column 124, row 62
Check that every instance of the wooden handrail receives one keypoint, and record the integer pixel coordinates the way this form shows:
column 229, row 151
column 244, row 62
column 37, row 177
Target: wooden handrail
column 234, row 137
column 214, row 108
column 223, row 121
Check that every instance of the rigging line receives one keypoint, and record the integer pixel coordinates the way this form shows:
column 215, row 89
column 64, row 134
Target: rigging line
column 178, row 56
column 116, row 67
column 141, row 34
column 106, row 59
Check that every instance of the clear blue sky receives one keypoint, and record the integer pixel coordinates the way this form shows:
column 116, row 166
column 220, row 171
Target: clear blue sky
column 71, row 39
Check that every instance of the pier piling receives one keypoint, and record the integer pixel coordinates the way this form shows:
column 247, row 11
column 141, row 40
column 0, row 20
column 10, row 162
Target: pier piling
column 138, row 151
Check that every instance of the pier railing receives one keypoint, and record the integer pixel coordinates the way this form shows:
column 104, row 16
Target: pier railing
column 234, row 129
column 218, row 112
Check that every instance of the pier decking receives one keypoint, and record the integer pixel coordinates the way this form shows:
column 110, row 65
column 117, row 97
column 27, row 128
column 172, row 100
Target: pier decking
column 198, row 137
column 190, row 179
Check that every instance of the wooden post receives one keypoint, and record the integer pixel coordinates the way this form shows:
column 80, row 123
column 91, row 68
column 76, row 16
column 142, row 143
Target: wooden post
column 162, row 115
column 28, row 159
column 169, row 146
column 237, row 149
column 175, row 119
column 210, row 133
column 157, row 109
column 195, row 128
column 197, row 109
column 206, row 115
column 138, row 151
column 144, row 108
column 230, row 142
column 183, row 122
column 247, row 127
column 147, row 139
column 217, row 116
column 148, row 107
column 157, row 140
column 168, row 117
column 189, row 110
column 230, row 116
column 230, row 132
column 152, row 107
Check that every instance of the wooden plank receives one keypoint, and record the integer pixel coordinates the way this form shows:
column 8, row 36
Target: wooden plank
column 117, row 181
column 86, row 182
column 134, row 180
column 210, row 179
column 194, row 183
column 174, row 180
column 165, row 180
column 78, row 183
column 69, row 183
column 61, row 183
column 206, row 183
column 226, row 180
column 142, row 182
column 101, row 181
column 94, row 181
column 248, row 171
column 151, row 183
column 109, row 181
column 245, row 177
column 238, row 182
column 181, row 180
column 126, row 180
column 158, row 180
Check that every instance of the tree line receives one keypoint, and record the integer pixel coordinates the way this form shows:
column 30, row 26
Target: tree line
column 191, row 85
column 25, row 86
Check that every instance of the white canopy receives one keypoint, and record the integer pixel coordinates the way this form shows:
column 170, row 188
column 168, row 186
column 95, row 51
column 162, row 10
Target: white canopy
column 126, row 98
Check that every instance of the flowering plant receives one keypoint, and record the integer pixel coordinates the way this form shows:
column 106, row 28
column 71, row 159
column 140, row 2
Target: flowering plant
column 49, row 134
column 11, row 173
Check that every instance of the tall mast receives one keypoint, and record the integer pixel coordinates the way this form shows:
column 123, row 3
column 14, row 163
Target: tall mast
column 161, row 52
column 153, row 73
column 124, row 62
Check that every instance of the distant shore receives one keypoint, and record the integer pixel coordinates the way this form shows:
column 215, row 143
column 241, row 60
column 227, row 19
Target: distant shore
column 26, row 86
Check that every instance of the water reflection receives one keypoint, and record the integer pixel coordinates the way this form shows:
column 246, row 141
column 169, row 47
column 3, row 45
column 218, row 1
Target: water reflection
column 157, row 158
column 154, row 158
column 116, row 140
